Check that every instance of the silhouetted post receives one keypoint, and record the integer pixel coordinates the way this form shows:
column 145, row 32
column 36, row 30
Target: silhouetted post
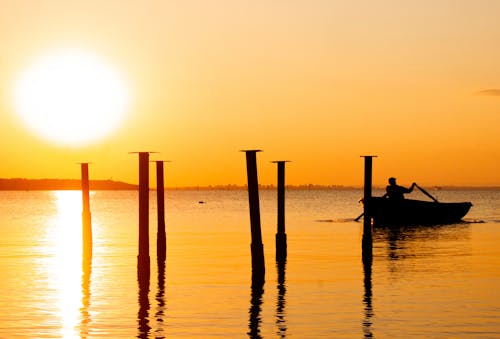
column 143, row 269
column 86, row 251
column 161, row 238
column 257, row 248
column 280, row 234
column 86, row 217
column 367, row 194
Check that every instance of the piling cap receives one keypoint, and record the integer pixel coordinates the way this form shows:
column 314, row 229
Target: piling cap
column 278, row 161
column 250, row 150
column 138, row 152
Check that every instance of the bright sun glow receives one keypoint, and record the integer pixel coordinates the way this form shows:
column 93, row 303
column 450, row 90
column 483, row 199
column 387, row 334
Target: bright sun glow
column 71, row 97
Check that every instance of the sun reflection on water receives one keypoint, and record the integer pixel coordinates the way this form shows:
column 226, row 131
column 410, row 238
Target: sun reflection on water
column 66, row 267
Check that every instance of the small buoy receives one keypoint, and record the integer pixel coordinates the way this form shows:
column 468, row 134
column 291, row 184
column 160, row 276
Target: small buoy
column 201, row 202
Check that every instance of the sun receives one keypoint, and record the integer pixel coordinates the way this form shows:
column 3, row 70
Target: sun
column 71, row 97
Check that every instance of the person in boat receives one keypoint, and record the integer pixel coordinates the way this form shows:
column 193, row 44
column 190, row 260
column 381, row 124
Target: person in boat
column 396, row 192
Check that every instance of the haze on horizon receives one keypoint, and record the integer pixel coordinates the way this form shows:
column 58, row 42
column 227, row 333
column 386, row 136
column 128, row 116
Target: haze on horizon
column 319, row 83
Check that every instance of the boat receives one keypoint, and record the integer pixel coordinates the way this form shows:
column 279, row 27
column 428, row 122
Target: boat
column 391, row 212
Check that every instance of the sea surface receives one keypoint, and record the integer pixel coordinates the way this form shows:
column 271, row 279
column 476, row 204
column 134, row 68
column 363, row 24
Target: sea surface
column 423, row 282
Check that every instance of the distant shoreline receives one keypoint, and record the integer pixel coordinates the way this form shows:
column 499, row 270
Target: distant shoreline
column 20, row 184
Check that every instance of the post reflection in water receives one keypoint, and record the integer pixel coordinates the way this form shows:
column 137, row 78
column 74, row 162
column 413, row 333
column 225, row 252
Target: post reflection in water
column 367, row 296
column 367, row 258
column 143, row 326
column 280, row 304
column 160, row 299
column 255, row 307
column 85, row 319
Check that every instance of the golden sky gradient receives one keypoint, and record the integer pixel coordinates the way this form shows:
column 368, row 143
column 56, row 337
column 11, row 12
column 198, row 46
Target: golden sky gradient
column 316, row 82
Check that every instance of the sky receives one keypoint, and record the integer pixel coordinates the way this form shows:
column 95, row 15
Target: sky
column 320, row 83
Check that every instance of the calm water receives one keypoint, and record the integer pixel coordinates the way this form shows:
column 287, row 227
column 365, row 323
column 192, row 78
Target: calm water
column 434, row 282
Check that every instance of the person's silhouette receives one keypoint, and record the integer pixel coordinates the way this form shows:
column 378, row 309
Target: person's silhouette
column 396, row 192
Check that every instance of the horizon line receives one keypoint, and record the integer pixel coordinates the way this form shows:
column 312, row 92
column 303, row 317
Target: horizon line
column 110, row 184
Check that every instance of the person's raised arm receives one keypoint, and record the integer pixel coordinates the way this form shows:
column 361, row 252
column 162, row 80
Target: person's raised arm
column 412, row 186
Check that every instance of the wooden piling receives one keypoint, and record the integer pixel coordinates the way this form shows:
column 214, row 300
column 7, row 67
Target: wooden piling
column 367, row 219
column 86, row 249
column 143, row 261
column 86, row 216
column 281, row 245
column 161, row 238
column 257, row 248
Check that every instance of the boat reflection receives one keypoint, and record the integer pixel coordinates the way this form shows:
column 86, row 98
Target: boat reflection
column 403, row 243
column 411, row 241
column 280, row 304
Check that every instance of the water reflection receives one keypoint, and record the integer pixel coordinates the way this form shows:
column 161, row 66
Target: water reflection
column 255, row 308
column 85, row 318
column 160, row 299
column 280, row 304
column 143, row 326
column 404, row 243
column 408, row 242
column 64, row 235
column 367, row 296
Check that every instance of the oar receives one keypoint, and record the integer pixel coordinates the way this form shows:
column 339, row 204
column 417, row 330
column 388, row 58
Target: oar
column 359, row 216
column 426, row 193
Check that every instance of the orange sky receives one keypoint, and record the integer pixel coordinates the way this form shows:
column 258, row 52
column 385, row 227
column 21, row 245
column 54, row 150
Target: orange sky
column 315, row 82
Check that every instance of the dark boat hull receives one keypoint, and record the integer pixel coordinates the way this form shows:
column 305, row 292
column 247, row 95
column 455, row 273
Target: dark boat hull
column 388, row 212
